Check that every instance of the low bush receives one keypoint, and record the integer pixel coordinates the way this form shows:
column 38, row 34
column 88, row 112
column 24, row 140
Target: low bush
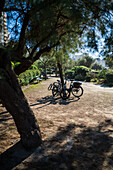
column 109, row 76
column 88, row 78
column 26, row 77
column 102, row 74
column 111, row 84
column 91, row 75
column 69, row 74
column 94, row 80
column 80, row 70
column 79, row 77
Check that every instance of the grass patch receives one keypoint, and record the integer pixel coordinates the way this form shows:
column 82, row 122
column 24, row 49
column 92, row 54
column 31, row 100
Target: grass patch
column 31, row 87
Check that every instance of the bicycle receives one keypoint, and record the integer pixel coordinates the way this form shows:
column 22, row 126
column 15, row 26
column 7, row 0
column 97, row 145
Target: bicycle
column 50, row 87
column 55, row 87
column 75, row 88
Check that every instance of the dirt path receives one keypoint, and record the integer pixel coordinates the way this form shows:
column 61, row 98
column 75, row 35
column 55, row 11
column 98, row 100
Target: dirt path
column 77, row 134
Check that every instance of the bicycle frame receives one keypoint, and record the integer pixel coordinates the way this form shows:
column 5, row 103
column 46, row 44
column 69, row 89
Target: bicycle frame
column 74, row 88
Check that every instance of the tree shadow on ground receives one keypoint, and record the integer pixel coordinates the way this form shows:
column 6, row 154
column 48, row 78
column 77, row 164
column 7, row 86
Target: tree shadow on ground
column 13, row 156
column 91, row 148
column 54, row 100
column 103, row 85
column 5, row 116
column 72, row 147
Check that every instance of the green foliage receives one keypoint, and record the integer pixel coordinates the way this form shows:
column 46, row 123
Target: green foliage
column 94, row 80
column 80, row 70
column 69, row 74
column 85, row 61
column 102, row 74
column 109, row 76
column 26, row 77
column 96, row 66
column 33, row 67
column 79, row 77
column 47, row 24
column 89, row 76
column 49, row 71
column 77, row 72
column 17, row 63
column 109, row 60
column 110, row 84
column 14, row 65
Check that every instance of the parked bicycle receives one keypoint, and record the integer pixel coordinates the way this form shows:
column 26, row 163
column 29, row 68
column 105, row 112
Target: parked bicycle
column 75, row 88
column 55, row 87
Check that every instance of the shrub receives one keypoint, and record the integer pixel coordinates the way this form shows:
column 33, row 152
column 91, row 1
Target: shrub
column 79, row 77
column 26, row 77
column 88, row 78
column 80, row 70
column 92, row 75
column 94, row 80
column 33, row 67
column 111, row 84
column 96, row 66
column 69, row 74
column 102, row 74
column 109, row 77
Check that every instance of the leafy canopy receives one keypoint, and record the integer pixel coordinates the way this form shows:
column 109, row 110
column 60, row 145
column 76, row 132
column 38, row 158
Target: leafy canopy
column 37, row 26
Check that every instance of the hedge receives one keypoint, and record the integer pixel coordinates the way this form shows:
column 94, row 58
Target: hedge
column 109, row 77
column 77, row 72
column 69, row 74
column 27, row 76
column 80, row 70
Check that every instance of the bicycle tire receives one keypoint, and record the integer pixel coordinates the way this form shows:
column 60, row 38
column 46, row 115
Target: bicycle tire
column 50, row 87
column 55, row 83
column 77, row 91
column 55, row 90
column 65, row 94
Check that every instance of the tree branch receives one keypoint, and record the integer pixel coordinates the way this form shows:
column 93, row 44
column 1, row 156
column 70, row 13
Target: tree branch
column 2, row 3
column 13, row 9
column 21, row 43
column 46, row 49
column 27, row 62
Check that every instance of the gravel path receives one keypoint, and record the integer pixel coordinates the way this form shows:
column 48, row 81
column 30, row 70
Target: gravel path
column 77, row 134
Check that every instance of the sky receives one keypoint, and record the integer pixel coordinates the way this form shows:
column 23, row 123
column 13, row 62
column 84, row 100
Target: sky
column 93, row 54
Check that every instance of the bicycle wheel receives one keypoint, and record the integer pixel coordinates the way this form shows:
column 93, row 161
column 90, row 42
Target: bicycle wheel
column 65, row 94
column 55, row 83
column 55, row 91
column 50, row 87
column 77, row 92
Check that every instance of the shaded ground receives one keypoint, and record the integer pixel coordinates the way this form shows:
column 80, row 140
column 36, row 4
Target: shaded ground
column 77, row 134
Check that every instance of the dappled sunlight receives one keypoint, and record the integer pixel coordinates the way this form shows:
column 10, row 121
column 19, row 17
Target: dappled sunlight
column 91, row 148
column 77, row 133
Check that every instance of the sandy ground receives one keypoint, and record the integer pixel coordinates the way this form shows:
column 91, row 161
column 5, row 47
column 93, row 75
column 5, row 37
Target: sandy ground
column 77, row 134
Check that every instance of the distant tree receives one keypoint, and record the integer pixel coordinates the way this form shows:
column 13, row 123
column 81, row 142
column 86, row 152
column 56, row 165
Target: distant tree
column 96, row 66
column 85, row 61
column 109, row 60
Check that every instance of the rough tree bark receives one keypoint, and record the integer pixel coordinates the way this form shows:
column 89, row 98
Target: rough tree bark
column 16, row 104
column 61, row 74
column 2, row 3
column 45, row 72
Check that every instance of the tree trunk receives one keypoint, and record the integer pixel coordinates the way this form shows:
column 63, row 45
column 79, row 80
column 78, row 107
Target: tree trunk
column 45, row 72
column 16, row 104
column 61, row 74
column 56, row 71
column 2, row 3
